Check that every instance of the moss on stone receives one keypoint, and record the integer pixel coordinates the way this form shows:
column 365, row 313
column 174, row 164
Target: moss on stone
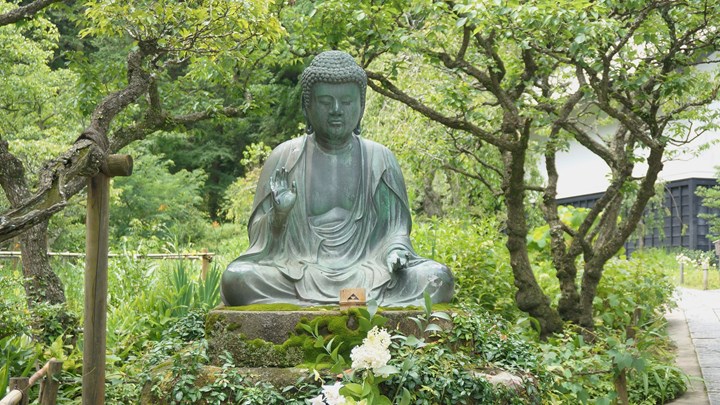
column 279, row 307
column 344, row 331
column 342, row 327
column 252, row 353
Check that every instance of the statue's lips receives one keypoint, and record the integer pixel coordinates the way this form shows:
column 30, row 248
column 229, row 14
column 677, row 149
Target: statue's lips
column 336, row 123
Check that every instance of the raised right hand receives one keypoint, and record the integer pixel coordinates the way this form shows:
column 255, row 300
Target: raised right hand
column 284, row 196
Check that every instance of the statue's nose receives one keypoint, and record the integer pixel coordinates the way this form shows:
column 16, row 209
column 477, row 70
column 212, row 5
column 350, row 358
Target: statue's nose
column 336, row 108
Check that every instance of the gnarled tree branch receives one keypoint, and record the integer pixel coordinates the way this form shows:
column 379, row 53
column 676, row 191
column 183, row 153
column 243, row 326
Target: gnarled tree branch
column 25, row 11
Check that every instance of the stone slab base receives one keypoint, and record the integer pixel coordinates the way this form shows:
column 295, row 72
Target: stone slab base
column 278, row 326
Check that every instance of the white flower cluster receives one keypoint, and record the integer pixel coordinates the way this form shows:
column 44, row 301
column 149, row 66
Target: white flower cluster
column 374, row 353
column 682, row 259
column 330, row 396
column 686, row 261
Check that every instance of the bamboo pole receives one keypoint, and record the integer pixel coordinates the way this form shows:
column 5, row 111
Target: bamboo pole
column 40, row 373
column 20, row 385
column 12, row 398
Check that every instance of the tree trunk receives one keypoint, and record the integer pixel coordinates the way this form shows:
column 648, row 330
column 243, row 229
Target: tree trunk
column 41, row 283
column 563, row 258
column 431, row 204
column 529, row 297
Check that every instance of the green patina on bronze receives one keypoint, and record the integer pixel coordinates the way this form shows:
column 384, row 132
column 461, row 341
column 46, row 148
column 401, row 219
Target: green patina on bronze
column 331, row 210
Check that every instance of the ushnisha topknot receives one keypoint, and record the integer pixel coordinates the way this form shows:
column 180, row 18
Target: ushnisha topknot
column 333, row 67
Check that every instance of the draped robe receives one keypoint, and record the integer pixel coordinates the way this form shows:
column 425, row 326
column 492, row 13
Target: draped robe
column 312, row 258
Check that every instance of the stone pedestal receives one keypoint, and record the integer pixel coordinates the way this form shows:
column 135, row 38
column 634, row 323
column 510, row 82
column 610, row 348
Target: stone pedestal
column 278, row 326
column 278, row 338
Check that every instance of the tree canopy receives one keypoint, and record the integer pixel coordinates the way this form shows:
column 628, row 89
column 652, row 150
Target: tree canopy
column 524, row 76
column 505, row 85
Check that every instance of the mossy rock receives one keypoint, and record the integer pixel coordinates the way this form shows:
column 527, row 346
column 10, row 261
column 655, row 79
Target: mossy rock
column 253, row 353
column 159, row 393
column 281, row 338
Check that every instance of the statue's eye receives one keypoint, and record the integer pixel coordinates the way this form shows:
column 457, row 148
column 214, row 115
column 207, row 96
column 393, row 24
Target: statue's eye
column 346, row 101
column 325, row 100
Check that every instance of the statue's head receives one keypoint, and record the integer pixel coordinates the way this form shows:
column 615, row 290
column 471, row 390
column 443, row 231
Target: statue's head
column 333, row 67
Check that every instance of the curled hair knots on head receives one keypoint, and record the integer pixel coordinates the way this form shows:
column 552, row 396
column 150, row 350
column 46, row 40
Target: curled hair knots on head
column 332, row 67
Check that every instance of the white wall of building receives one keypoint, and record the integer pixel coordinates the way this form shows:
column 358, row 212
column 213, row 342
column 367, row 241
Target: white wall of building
column 582, row 172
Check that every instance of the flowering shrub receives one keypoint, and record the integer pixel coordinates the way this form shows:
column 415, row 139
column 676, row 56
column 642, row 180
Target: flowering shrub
column 330, row 396
column 374, row 353
column 371, row 359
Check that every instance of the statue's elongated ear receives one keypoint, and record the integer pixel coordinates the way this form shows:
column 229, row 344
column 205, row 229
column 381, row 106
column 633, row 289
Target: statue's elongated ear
column 308, row 126
column 358, row 128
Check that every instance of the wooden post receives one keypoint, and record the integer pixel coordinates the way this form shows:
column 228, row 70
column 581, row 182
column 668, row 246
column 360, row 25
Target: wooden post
column 21, row 384
column 96, row 265
column 706, row 265
column 49, row 387
column 205, row 264
column 682, row 274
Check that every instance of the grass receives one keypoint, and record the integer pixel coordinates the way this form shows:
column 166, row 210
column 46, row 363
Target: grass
column 693, row 278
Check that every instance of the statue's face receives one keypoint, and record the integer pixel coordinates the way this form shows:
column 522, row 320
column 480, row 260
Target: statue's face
column 334, row 111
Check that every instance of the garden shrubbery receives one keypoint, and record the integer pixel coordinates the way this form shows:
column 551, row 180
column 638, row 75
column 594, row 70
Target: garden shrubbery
column 156, row 312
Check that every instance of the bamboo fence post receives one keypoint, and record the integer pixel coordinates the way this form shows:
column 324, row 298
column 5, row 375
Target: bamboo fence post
column 49, row 386
column 96, row 266
column 21, row 384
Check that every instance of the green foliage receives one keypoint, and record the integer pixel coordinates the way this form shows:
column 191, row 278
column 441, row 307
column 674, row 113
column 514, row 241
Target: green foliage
column 18, row 355
column 427, row 157
column 636, row 293
column 36, row 102
column 630, row 338
column 13, row 317
column 452, row 368
column 475, row 252
column 711, row 200
column 238, row 198
column 179, row 372
column 584, row 373
column 692, row 264
column 538, row 240
column 328, row 340
column 153, row 203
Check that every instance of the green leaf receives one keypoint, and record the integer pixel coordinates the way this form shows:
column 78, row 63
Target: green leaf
column 433, row 328
column 352, row 389
column 367, row 388
column 412, row 341
column 441, row 315
column 406, row 397
column 428, row 303
column 386, row 370
column 372, row 307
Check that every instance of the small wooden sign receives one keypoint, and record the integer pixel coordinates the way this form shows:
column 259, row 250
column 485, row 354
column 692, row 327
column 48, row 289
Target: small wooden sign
column 352, row 297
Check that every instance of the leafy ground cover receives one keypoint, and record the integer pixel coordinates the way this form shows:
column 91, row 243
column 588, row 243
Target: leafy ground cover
column 156, row 313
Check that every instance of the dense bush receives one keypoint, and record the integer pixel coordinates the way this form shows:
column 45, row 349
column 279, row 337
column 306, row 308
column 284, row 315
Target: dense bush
column 156, row 309
column 475, row 252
